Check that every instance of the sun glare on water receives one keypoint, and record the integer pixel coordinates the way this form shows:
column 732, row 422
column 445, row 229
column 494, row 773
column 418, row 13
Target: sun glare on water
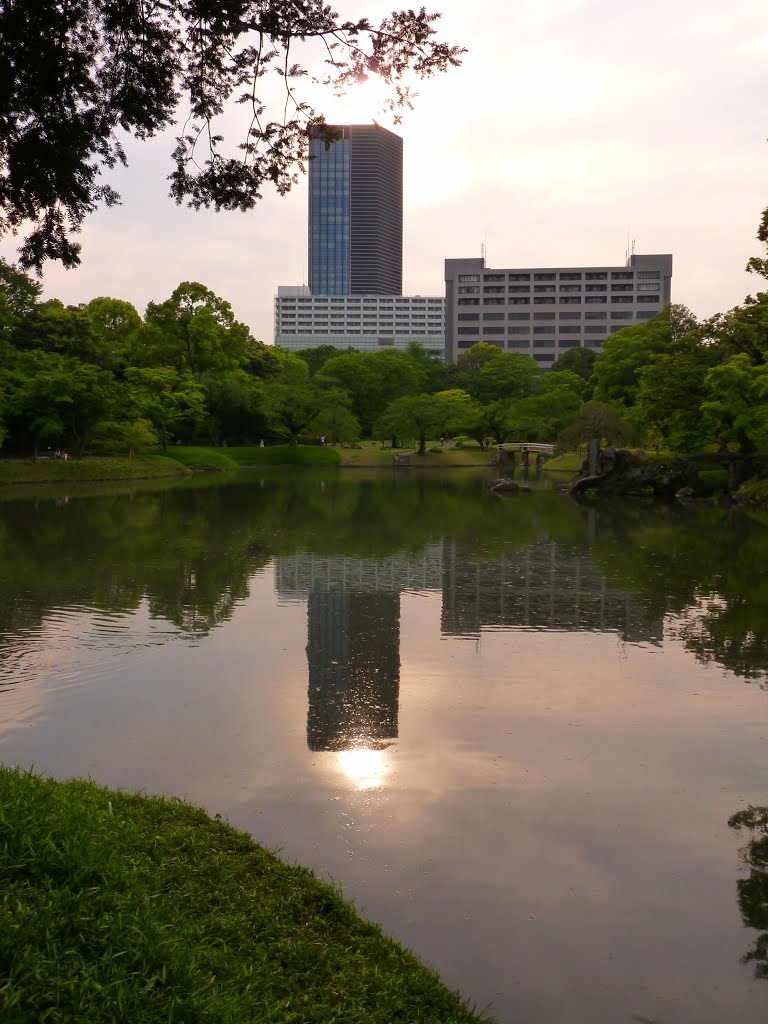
column 366, row 769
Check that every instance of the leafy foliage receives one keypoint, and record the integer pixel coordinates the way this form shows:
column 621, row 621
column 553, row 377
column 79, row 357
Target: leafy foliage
column 79, row 75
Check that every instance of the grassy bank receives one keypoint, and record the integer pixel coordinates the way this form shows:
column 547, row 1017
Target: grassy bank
column 144, row 467
column 128, row 908
column 201, row 457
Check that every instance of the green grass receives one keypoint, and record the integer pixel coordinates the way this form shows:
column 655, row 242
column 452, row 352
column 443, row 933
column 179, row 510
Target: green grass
column 371, row 454
column 203, row 457
column 128, row 908
column 24, row 471
column 571, row 462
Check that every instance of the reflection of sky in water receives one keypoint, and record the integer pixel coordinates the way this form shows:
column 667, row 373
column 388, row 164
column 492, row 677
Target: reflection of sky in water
column 540, row 814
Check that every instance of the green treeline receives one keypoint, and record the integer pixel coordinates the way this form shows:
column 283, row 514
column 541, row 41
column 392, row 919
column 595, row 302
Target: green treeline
column 100, row 379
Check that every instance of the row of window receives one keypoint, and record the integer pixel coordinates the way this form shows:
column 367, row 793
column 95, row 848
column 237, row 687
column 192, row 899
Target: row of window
column 563, row 275
column 356, row 331
column 597, row 314
column 369, row 301
column 550, row 289
column 551, row 300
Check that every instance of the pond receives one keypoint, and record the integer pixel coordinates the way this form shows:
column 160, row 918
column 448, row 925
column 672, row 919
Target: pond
column 513, row 729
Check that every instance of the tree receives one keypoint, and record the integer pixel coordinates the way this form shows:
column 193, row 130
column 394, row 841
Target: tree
column 318, row 356
column 509, row 376
column 625, row 354
column 77, row 75
column 372, row 380
column 576, row 360
column 166, row 398
column 412, row 416
column 669, row 399
column 737, row 406
column 53, row 398
column 743, row 329
column 336, row 423
column 753, row 890
column 195, row 331
column 595, row 419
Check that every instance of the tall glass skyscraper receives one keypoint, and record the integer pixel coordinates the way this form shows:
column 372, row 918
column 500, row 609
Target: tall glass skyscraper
column 355, row 210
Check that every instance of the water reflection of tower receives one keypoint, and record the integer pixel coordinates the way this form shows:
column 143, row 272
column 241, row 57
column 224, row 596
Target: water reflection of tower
column 353, row 639
column 353, row 654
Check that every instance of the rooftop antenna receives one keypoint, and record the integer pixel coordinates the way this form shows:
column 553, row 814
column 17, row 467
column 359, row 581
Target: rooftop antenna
column 626, row 251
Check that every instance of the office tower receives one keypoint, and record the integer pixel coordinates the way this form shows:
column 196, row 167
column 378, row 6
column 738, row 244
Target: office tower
column 355, row 210
column 544, row 311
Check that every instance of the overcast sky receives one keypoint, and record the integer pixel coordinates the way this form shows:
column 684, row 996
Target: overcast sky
column 569, row 123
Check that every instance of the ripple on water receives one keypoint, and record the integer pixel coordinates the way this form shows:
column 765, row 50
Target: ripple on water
column 71, row 647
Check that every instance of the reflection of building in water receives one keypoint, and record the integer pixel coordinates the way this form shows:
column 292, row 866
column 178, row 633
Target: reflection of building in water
column 542, row 586
column 353, row 654
column 353, row 640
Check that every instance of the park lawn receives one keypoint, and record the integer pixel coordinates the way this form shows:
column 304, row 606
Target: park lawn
column 571, row 462
column 372, row 455
column 132, row 908
column 207, row 457
column 143, row 467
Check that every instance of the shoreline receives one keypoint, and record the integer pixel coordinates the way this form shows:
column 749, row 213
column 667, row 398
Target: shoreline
column 208, row 923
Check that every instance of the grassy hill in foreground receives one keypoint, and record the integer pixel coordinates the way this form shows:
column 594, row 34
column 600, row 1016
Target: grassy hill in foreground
column 121, row 907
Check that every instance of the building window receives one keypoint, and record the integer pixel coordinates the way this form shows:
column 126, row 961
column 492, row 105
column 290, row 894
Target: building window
column 519, row 316
column 649, row 275
column 570, row 288
column 542, row 357
column 492, row 289
column 542, row 300
column 519, row 289
column 649, row 287
column 469, row 290
column 540, row 288
column 568, row 343
column 519, row 302
column 597, row 275
column 645, row 314
column 544, row 277
column 570, row 316
column 546, row 343
column 518, row 343
column 543, row 316
column 492, row 316
column 622, row 275
column 469, row 316
column 648, row 298
column 492, row 302
column 519, row 277
column 568, row 330
column 621, row 298
column 469, row 302
column 570, row 277
column 493, row 330
column 469, row 330
column 518, row 330
column 595, row 287
column 619, row 315
column 544, row 330
column 570, row 300
column 469, row 277
column 493, row 277
column 596, row 328
column 622, row 287
column 600, row 315
column 596, row 298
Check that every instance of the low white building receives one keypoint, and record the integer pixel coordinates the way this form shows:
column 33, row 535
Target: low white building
column 364, row 322
column 544, row 311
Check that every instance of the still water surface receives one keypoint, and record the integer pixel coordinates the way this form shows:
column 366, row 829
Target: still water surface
column 513, row 730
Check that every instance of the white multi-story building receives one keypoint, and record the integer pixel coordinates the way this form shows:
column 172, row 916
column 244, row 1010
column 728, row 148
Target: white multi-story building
column 364, row 322
column 544, row 311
